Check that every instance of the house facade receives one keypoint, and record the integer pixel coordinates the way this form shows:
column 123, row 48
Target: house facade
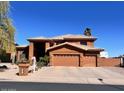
column 64, row 50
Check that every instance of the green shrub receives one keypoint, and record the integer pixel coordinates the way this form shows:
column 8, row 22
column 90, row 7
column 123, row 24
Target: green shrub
column 4, row 57
column 43, row 61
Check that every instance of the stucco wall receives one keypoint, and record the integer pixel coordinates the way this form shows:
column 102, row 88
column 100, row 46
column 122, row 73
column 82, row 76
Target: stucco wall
column 112, row 62
column 62, row 59
column 90, row 43
column 84, row 61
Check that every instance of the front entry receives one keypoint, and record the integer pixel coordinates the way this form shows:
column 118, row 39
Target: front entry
column 39, row 50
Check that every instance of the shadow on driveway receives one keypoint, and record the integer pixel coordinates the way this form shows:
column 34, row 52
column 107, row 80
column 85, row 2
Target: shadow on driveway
column 39, row 86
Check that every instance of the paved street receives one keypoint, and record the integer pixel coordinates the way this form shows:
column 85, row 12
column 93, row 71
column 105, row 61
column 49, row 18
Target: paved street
column 35, row 86
column 64, row 78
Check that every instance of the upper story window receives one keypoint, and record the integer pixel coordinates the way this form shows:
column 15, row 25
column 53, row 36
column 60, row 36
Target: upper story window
column 83, row 43
column 59, row 42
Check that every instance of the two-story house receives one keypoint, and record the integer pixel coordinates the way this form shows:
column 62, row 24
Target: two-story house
column 65, row 50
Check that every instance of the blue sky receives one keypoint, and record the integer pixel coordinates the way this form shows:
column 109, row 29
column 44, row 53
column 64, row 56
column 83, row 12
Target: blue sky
column 106, row 19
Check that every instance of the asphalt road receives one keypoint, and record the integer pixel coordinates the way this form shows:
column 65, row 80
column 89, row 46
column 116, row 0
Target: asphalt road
column 35, row 86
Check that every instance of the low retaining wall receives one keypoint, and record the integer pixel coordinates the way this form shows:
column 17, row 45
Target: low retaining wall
column 109, row 62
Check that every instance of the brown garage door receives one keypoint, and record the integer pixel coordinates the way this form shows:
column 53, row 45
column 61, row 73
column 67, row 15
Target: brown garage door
column 65, row 60
column 89, row 61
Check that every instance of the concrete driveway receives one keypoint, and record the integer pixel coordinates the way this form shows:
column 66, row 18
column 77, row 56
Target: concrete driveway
column 109, row 78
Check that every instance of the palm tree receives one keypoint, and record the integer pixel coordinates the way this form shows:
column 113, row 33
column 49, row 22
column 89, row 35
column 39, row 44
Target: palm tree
column 87, row 32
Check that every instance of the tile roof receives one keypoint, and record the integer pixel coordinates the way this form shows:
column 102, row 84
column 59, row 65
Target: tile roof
column 83, row 47
column 61, row 37
column 37, row 38
column 22, row 46
column 72, row 36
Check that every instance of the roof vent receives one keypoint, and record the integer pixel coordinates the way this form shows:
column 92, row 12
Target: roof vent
column 87, row 32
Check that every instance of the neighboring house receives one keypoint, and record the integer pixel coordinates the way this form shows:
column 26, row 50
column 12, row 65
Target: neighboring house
column 65, row 50
column 104, row 54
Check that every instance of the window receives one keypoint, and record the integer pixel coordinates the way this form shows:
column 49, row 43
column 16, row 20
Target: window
column 83, row 43
column 59, row 42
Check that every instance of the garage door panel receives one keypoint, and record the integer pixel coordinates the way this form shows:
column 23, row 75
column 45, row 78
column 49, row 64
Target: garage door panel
column 89, row 61
column 65, row 60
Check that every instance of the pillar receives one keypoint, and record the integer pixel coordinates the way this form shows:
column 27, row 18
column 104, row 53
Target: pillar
column 31, row 50
column 47, row 45
column 18, row 55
